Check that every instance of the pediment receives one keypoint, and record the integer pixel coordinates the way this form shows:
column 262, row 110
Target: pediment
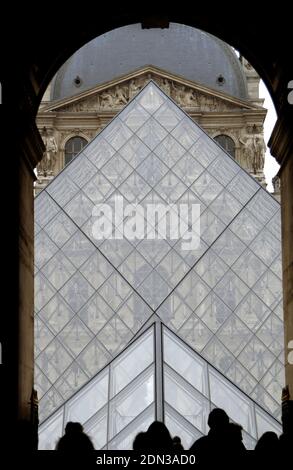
column 116, row 94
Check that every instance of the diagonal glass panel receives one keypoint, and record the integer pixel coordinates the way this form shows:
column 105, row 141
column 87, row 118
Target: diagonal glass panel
column 99, row 151
column 263, row 206
column 266, row 246
column 134, row 188
column 174, row 312
column 43, row 291
column 45, row 208
column 71, row 381
column 245, row 226
column 192, row 289
column 269, row 289
column 188, row 169
column 256, row 357
column 226, row 207
column 75, row 336
column 54, row 360
column 274, row 225
column 45, row 249
column 186, row 133
column 169, row 151
column 56, row 313
column 116, row 134
column 170, row 187
column 93, row 358
column 96, row 269
column 49, row 403
column 76, row 291
column 58, row 270
column 234, row 334
column 206, row 187
column 277, row 267
column 96, row 429
column 211, row 268
column 239, row 408
column 228, row 247
column 132, row 362
column 79, row 208
column 114, row 335
column 216, row 353
column 178, row 426
column 43, row 336
column 134, row 312
column 124, row 439
column 62, row 189
column 190, row 404
column 115, row 290
column 249, row 267
column 223, row 169
column 213, row 312
column 154, row 289
column 80, row 171
column 151, row 99
column 116, row 170
column 98, row 188
column 204, row 150
column 271, row 334
column 243, row 187
column 134, row 151
column 231, row 289
column 152, row 169
column 51, row 432
column 131, row 402
column 135, row 268
column 192, row 368
column 95, row 313
column 91, row 399
column 134, row 116
column 151, row 133
column 60, row 229
column 265, row 423
column 195, row 333
column 252, row 311
column 274, row 380
column 168, row 115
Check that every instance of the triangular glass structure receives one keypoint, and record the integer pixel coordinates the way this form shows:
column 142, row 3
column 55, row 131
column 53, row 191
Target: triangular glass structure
column 158, row 371
column 92, row 296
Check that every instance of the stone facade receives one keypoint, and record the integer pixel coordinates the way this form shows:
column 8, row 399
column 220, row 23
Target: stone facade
column 85, row 114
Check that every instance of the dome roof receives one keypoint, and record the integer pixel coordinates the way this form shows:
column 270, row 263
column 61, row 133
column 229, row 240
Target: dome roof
column 182, row 50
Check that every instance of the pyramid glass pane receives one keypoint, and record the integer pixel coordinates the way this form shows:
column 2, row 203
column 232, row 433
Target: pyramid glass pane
column 92, row 295
column 121, row 400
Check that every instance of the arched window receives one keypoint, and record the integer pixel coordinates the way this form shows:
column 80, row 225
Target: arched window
column 227, row 143
column 72, row 147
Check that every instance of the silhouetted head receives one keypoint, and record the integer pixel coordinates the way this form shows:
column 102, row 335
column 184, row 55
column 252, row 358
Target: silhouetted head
column 268, row 443
column 235, row 431
column 177, row 443
column 72, row 427
column 74, row 439
column 159, row 436
column 218, row 419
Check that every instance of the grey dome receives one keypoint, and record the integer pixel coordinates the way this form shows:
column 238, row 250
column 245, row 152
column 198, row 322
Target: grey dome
column 182, row 50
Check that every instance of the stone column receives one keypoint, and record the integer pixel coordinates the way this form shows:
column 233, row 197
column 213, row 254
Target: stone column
column 281, row 144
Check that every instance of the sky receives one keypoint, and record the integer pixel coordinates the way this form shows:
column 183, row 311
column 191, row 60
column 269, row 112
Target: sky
column 271, row 166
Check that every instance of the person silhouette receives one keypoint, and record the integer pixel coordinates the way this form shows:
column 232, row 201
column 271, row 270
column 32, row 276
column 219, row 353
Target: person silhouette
column 74, row 439
column 159, row 436
column 216, row 443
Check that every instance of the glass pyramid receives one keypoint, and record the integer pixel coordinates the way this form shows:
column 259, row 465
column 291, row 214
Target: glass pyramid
column 92, row 296
column 157, row 372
